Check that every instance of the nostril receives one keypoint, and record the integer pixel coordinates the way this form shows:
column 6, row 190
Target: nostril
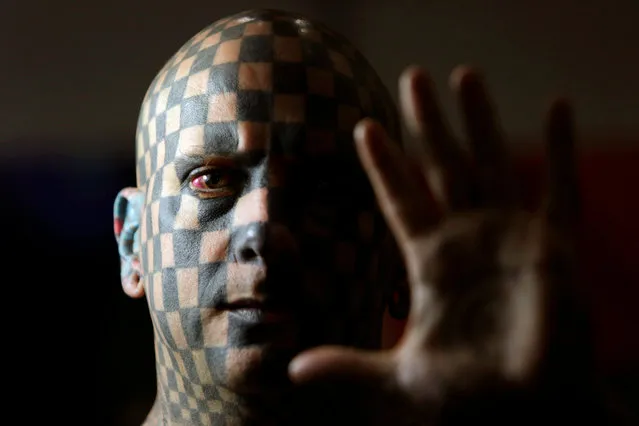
column 251, row 242
column 247, row 253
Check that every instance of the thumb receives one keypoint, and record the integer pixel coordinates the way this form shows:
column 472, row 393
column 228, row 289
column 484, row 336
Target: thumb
column 341, row 364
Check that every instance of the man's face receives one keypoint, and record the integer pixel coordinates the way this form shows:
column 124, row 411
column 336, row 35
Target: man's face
column 259, row 232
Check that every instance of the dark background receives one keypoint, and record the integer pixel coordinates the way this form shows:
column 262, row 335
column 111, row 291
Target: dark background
column 73, row 74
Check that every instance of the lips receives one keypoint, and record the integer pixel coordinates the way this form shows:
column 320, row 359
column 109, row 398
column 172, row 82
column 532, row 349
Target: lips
column 256, row 311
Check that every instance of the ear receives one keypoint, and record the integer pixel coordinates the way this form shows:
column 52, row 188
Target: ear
column 127, row 213
column 393, row 271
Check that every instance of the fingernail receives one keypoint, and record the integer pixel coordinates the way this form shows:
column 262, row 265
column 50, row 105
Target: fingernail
column 296, row 368
column 360, row 130
column 462, row 74
column 414, row 78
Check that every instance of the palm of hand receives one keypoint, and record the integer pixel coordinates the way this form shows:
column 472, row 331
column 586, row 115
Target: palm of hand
column 488, row 279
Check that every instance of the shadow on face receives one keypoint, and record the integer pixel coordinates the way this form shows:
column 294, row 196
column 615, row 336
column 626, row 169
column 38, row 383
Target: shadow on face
column 259, row 233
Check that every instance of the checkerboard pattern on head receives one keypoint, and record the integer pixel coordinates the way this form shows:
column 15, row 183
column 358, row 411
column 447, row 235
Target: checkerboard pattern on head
column 284, row 93
column 247, row 74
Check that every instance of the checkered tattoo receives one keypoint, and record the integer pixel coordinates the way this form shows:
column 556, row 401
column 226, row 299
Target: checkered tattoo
column 261, row 105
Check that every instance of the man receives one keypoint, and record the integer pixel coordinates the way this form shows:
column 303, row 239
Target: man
column 255, row 235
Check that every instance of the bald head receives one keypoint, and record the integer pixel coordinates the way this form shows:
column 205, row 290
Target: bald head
column 258, row 233
column 261, row 79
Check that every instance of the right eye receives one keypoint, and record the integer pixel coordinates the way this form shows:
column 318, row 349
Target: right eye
column 210, row 180
column 213, row 182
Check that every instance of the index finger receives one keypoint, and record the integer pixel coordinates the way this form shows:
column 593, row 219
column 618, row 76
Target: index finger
column 401, row 191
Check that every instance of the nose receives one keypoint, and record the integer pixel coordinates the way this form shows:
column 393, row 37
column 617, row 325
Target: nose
column 250, row 242
column 263, row 242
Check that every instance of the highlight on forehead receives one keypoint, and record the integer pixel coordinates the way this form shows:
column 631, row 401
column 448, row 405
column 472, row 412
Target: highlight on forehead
column 257, row 78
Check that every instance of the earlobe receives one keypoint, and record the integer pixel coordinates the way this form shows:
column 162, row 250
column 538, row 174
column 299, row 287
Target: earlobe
column 127, row 214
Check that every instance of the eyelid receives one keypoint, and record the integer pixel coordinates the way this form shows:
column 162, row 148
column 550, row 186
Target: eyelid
column 233, row 173
column 199, row 167
column 197, row 172
column 186, row 165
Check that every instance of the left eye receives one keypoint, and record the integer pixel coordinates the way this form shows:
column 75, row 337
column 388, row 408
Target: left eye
column 211, row 180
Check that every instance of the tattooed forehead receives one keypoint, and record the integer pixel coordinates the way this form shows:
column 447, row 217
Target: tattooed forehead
column 261, row 80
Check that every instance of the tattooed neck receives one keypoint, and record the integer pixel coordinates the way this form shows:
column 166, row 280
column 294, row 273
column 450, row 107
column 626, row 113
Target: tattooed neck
column 187, row 393
column 191, row 393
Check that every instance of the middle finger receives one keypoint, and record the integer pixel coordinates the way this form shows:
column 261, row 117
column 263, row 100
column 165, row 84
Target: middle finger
column 442, row 157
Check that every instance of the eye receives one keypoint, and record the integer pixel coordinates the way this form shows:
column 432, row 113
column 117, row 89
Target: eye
column 213, row 181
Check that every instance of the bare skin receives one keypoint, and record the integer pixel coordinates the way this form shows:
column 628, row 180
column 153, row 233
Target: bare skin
column 494, row 308
column 253, row 231
column 222, row 215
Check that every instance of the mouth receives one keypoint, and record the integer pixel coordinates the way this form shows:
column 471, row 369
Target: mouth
column 256, row 311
